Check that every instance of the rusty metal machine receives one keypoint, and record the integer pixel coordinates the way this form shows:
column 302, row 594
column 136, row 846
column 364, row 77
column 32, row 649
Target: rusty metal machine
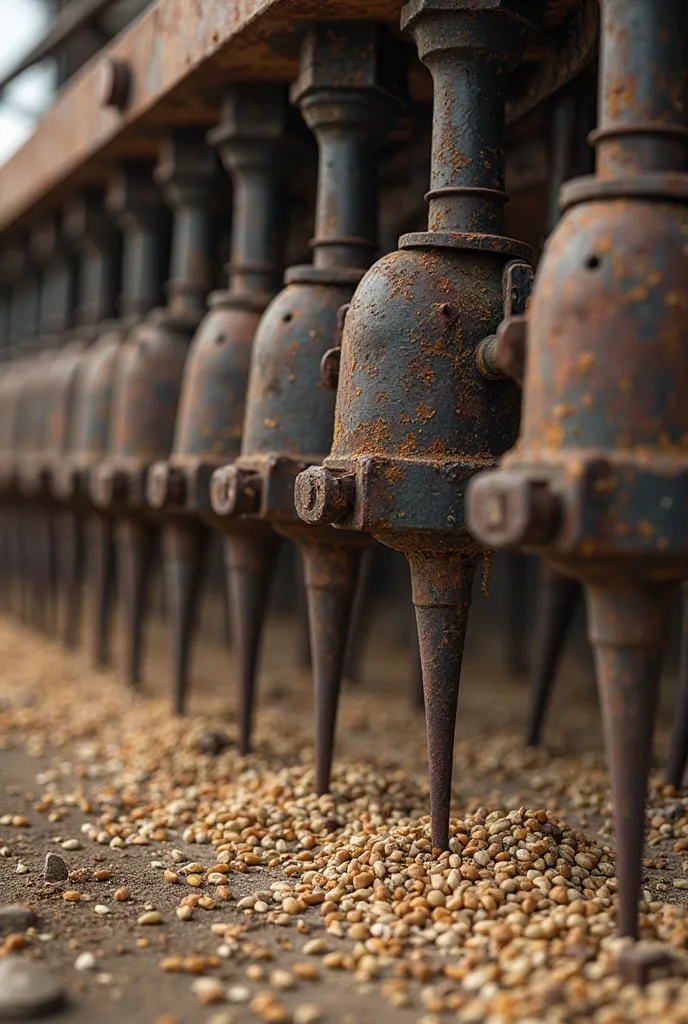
column 251, row 142
column 415, row 419
column 135, row 205
column 148, row 377
column 597, row 481
column 88, row 227
column 374, row 401
column 349, row 82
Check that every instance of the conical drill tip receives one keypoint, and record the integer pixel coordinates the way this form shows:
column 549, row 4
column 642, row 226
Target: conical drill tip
column 442, row 585
column 559, row 600
column 250, row 562
column 71, row 553
column 516, row 566
column 678, row 752
column 331, row 572
column 101, row 570
column 417, row 695
column 136, row 541
column 43, row 556
column 360, row 620
column 627, row 626
column 184, row 555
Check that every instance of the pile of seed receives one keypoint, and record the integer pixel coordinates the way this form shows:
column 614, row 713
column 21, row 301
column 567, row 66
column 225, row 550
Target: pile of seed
column 515, row 922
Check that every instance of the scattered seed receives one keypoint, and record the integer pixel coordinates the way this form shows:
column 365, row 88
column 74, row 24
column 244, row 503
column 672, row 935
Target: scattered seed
column 208, row 991
column 150, row 917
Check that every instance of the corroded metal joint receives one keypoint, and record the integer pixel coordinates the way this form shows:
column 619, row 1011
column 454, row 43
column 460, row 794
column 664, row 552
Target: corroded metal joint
column 165, row 486
column 509, row 509
column 180, row 487
column 109, row 486
column 503, row 354
column 235, row 492
column 68, row 482
column 9, row 479
column 323, row 498
column 35, row 480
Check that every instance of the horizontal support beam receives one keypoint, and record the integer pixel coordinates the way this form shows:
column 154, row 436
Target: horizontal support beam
column 180, row 55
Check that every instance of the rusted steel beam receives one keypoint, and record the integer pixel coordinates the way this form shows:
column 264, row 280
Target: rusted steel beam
column 76, row 16
column 173, row 63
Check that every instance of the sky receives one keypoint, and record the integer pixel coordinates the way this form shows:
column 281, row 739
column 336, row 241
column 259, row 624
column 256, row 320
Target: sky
column 22, row 24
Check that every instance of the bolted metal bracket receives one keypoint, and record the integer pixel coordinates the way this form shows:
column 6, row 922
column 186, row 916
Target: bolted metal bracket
column 503, row 353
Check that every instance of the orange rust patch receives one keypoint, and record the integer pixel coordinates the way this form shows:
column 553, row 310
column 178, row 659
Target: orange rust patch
column 392, row 472
column 585, row 361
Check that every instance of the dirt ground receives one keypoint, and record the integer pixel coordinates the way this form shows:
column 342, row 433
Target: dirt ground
column 54, row 777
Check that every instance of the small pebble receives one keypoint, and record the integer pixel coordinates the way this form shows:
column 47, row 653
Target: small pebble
column 27, row 989
column 22, row 869
column 71, row 896
column 55, row 868
column 101, row 909
column 15, row 919
column 72, row 844
column 121, row 895
column 184, row 913
column 85, row 962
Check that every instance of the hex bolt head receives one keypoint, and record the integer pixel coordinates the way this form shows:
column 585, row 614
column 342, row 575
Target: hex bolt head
column 165, row 486
column 234, row 492
column 507, row 510
column 109, row 485
column 114, row 83
column 321, row 498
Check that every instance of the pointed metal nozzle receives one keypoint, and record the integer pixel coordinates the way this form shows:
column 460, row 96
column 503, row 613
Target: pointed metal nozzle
column 360, row 620
column 101, row 571
column 417, row 694
column 627, row 624
column 678, row 751
column 43, row 559
column 185, row 546
column 560, row 597
column 331, row 571
column 516, row 565
column 71, row 559
column 250, row 562
column 136, row 542
column 442, row 585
